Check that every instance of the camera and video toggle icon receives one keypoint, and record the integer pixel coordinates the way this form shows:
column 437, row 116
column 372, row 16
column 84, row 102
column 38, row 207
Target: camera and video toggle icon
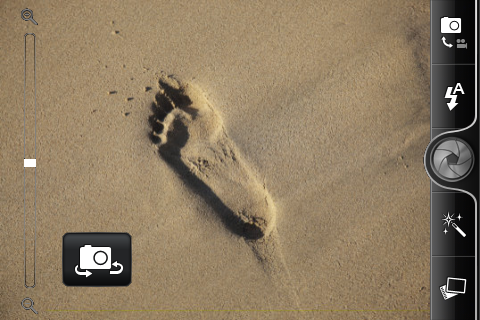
column 452, row 26
column 96, row 258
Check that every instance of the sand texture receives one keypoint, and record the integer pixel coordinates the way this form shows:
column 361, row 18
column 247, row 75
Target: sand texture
column 266, row 157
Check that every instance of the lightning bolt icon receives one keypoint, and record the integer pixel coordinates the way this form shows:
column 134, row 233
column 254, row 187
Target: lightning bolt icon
column 453, row 98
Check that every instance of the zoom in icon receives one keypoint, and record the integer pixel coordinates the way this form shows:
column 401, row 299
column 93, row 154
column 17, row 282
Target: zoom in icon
column 452, row 159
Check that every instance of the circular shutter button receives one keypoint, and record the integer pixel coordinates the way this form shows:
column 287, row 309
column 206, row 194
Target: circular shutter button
column 452, row 159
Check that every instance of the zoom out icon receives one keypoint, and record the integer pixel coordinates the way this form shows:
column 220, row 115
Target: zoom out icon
column 452, row 159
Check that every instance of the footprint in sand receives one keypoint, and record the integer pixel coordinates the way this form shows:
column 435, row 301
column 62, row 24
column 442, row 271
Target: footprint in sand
column 191, row 138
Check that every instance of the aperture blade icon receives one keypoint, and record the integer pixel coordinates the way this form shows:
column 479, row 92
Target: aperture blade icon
column 452, row 159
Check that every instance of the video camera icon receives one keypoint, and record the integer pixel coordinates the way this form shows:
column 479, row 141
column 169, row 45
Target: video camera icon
column 97, row 259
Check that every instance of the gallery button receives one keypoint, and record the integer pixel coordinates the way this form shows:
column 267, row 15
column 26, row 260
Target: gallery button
column 453, row 224
column 97, row 259
column 453, row 31
column 453, row 288
column 453, row 96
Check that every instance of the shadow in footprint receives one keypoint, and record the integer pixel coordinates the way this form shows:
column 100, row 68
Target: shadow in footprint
column 177, row 137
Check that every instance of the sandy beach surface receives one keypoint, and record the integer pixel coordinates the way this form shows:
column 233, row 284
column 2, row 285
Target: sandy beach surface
column 266, row 157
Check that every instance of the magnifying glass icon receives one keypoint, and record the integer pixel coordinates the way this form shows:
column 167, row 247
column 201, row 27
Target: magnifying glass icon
column 27, row 15
column 30, row 307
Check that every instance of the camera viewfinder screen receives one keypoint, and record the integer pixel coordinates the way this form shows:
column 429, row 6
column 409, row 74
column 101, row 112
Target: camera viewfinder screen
column 257, row 160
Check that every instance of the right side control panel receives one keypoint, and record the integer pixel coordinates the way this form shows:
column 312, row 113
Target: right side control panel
column 452, row 160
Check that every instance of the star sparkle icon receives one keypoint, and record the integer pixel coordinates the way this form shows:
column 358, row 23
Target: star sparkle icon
column 448, row 219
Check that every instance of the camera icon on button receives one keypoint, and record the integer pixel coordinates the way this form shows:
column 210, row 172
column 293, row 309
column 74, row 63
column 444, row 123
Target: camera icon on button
column 450, row 25
column 95, row 257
